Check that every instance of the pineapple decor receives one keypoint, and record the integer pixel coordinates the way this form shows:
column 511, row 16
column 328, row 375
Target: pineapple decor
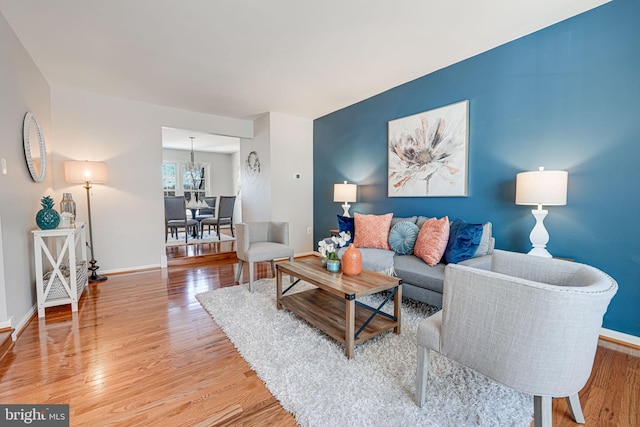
column 47, row 217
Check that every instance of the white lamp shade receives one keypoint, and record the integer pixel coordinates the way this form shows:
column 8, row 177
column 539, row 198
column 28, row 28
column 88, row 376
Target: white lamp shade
column 542, row 188
column 85, row 171
column 344, row 192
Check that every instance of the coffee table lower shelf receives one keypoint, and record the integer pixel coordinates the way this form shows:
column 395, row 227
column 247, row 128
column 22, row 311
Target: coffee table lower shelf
column 328, row 313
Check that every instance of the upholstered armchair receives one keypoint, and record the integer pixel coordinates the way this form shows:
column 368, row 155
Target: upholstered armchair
column 529, row 323
column 261, row 241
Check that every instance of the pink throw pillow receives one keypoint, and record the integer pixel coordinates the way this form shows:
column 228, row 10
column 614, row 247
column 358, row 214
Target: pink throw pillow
column 432, row 240
column 372, row 231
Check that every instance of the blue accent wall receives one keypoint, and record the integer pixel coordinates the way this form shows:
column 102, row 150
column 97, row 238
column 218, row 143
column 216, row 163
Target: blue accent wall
column 566, row 97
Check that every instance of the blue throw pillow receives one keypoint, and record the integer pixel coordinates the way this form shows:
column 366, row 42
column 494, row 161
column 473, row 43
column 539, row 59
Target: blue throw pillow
column 402, row 237
column 464, row 239
column 346, row 223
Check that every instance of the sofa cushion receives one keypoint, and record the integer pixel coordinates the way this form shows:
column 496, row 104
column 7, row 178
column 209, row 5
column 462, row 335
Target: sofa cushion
column 378, row 260
column 397, row 219
column 402, row 237
column 421, row 220
column 432, row 240
column 414, row 271
column 464, row 239
column 372, row 231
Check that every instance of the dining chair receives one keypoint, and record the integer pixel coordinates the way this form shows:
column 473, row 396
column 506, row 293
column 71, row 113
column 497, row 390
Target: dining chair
column 175, row 216
column 210, row 212
column 224, row 217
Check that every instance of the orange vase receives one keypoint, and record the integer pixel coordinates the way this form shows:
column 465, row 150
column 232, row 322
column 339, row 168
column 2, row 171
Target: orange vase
column 352, row 261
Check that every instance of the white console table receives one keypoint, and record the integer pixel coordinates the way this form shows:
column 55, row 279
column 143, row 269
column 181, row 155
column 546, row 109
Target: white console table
column 63, row 252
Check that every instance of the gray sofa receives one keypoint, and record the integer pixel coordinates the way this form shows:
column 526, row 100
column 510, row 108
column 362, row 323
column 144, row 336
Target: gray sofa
column 420, row 281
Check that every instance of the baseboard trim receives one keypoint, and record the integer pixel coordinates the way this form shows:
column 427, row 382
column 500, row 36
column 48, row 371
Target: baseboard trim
column 130, row 269
column 620, row 338
column 6, row 341
column 6, row 324
column 24, row 322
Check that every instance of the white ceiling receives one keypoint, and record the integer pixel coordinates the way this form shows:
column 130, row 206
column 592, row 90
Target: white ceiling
column 240, row 58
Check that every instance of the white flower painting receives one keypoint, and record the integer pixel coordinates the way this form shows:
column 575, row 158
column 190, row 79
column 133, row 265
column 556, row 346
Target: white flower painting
column 428, row 153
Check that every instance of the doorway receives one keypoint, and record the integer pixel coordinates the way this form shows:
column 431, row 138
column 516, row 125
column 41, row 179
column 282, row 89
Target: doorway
column 201, row 167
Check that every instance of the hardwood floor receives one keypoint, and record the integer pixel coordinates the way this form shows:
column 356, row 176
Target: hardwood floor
column 141, row 351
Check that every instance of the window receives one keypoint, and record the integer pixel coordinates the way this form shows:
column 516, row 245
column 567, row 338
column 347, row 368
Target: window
column 185, row 183
column 193, row 183
column 169, row 179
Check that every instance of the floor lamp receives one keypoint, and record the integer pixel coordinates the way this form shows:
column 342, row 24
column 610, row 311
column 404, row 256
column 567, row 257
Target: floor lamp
column 540, row 188
column 87, row 173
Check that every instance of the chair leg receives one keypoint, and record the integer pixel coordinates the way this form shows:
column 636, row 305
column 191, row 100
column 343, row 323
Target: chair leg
column 421, row 375
column 273, row 268
column 250, row 276
column 573, row 402
column 239, row 272
column 542, row 411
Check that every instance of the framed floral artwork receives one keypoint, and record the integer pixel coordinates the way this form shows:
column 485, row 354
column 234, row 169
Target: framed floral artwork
column 428, row 153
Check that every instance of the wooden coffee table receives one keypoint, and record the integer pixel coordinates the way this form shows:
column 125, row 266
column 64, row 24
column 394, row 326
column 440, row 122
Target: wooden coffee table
column 333, row 308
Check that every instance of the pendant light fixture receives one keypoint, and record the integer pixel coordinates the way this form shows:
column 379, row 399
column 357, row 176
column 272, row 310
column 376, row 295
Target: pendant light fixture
column 194, row 169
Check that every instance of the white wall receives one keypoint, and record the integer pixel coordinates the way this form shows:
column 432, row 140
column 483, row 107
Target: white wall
column 256, row 187
column 292, row 199
column 127, row 212
column 22, row 89
column 237, row 186
column 285, row 147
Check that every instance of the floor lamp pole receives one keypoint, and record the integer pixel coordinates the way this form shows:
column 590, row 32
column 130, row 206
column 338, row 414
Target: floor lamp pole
column 94, row 277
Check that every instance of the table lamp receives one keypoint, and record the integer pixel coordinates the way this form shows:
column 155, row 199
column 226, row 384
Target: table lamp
column 540, row 188
column 88, row 173
column 345, row 193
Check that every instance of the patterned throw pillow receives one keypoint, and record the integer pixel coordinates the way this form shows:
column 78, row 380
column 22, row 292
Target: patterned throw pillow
column 402, row 237
column 372, row 231
column 432, row 240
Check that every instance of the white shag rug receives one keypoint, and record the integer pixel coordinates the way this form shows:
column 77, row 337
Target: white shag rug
column 206, row 238
column 312, row 378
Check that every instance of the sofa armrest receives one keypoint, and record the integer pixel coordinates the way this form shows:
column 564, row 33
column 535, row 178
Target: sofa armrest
column 483, row 262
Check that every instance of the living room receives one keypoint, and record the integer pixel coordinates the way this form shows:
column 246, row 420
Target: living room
column 564, row 97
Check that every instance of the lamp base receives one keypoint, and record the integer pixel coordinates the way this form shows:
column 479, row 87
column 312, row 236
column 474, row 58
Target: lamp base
column 539, row 235
column 95, row 277
column 346, row 207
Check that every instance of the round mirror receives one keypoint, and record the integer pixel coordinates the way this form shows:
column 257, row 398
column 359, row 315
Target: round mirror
column 35, row 152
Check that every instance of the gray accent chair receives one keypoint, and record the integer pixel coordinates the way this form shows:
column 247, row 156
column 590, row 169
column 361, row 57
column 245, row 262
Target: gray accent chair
column 262, row 241
column 175, row 217
column 225, row 216
column 529, row 323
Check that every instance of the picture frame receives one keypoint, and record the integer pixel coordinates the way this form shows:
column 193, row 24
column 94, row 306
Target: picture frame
column 428, row 153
